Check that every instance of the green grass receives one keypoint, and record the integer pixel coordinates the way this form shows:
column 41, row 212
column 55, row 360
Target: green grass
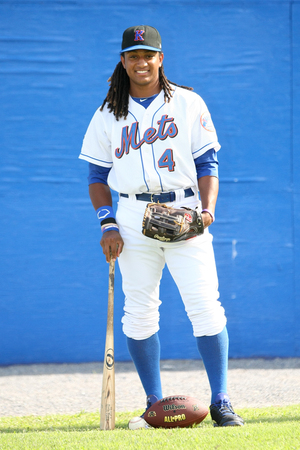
column 266, row 428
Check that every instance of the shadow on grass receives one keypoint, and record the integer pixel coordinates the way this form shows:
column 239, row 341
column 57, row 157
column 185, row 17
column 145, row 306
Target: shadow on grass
column 53, row 428
column 123, row 425
column 273, row 420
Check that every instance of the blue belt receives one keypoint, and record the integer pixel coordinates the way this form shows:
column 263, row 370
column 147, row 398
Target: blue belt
column 164, row 197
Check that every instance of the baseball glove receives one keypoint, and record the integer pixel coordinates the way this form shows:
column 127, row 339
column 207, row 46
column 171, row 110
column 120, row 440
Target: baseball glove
column 169, row 224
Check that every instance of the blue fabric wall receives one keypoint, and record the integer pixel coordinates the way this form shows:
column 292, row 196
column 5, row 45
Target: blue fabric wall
column 243, row 58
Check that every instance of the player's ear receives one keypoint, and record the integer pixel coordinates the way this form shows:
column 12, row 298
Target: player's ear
column 123, row 61
column 161, row 58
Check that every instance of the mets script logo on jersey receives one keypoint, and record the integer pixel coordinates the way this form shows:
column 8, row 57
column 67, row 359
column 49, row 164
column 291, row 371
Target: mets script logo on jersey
column 138, row 35
column 166, row 128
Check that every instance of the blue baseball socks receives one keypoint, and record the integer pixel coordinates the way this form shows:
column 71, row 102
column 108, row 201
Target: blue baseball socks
column 145, row 354
column 146, row 357
column 214, row 353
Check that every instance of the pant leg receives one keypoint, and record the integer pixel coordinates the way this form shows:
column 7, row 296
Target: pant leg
column 192, row 266
column 141, row 263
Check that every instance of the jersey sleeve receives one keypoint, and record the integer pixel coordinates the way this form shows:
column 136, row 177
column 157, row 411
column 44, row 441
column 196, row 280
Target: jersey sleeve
column 97, row 174
column 207, row 164
column 96, row 146
column 204, row 135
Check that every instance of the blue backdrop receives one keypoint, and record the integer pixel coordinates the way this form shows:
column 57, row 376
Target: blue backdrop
column 243, row 58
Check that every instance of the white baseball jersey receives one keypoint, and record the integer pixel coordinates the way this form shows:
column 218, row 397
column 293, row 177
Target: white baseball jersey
column 153, row 149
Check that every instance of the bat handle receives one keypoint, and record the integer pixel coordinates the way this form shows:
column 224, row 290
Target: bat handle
column 111, row 282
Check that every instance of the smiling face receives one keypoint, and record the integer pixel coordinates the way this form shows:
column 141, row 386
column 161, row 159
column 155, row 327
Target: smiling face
column 142, row 67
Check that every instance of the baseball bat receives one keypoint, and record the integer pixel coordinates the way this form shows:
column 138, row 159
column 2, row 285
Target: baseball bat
column 107, row 413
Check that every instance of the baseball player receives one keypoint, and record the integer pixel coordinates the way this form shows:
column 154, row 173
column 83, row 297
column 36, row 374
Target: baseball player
column 153, row 141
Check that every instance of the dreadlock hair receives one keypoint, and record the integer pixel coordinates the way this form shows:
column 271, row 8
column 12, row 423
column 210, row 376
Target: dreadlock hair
column 117, row 97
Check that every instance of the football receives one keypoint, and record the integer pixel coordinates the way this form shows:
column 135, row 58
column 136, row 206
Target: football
column 176, row 411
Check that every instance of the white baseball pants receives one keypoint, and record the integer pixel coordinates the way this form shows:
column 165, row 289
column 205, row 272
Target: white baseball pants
column 191, row 264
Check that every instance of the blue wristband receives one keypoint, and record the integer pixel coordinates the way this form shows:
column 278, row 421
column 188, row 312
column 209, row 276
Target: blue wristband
column 105, row 212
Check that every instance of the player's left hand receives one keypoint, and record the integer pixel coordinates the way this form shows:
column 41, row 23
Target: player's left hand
column 112, row 245
column 207, row 219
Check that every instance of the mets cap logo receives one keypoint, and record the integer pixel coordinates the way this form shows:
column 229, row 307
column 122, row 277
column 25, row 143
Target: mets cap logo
column 138, row 35
column 207, row 122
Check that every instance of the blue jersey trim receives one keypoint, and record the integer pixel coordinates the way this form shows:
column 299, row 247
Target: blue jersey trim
column 146, row 101
column 152, row 148
column 140, row 150
column 199, row 150
column 95, row 159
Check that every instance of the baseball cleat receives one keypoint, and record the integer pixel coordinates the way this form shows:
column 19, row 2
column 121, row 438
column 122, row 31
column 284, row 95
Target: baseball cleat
column 139, row 422
column 222, row 413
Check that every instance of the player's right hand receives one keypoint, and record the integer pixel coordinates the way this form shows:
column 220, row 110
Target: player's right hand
column 112, row 245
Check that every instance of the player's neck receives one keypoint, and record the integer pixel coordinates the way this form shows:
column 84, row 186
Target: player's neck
column 144, row 91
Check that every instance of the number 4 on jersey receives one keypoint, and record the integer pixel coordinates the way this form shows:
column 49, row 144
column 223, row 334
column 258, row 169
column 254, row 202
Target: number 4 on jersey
column 166, row 160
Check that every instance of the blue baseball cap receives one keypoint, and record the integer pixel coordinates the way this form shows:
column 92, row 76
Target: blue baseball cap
column 141, row 37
